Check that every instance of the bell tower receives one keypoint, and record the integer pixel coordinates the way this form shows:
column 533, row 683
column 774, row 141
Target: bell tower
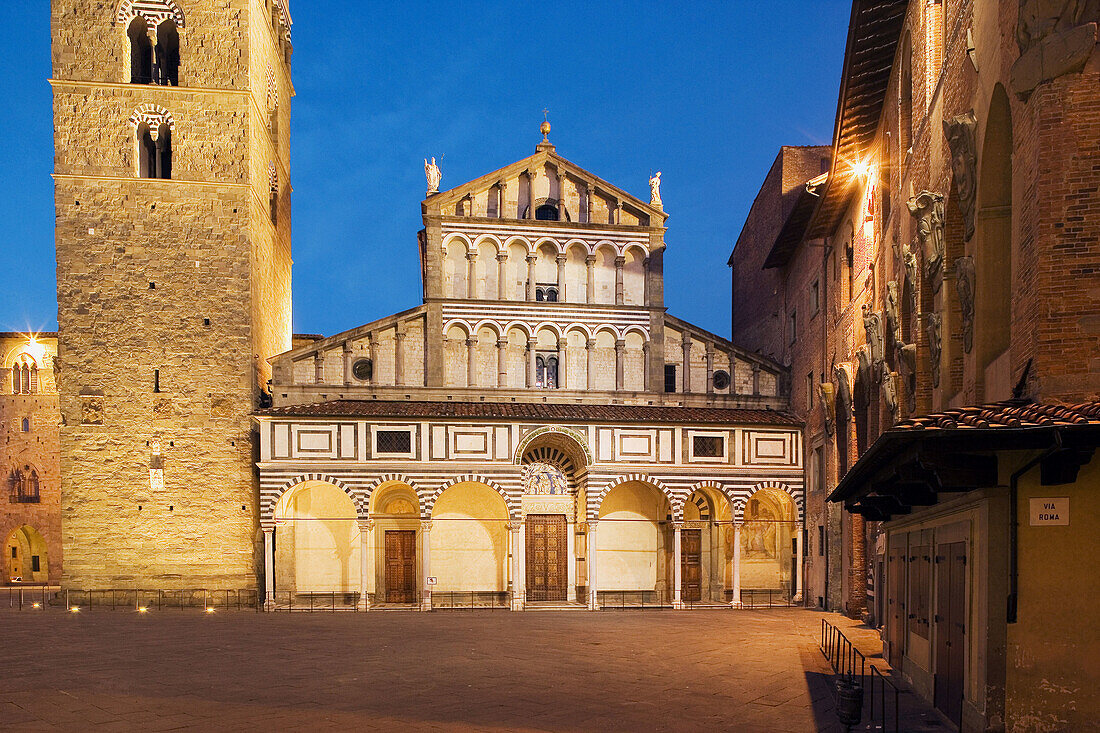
column 172, row 195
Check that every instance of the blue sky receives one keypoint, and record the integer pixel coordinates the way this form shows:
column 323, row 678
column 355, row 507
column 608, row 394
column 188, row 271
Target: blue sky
column 705, row 92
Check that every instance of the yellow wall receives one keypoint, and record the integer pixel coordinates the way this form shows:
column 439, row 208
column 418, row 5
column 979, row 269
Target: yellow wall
column 324, row 544
column 469, row 539
column 1054, row 646
column 627, row 538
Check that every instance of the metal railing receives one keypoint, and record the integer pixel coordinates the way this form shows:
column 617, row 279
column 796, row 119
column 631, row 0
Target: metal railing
column 27, row 596
column 450, row 600
column 851, row 666
column 315, row 601
column 129, row 599
column 752, row 598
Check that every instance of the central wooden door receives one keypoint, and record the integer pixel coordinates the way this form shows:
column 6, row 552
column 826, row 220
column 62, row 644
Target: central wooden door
column 691, row 564
column 547, row 557
column 950, row 628
column 401, row 566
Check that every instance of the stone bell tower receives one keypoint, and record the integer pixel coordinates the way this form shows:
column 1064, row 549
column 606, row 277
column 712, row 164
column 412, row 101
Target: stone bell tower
column 171, row 124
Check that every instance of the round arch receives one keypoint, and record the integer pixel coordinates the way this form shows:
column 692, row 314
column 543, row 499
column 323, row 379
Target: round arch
column 793, row 496
column 317, row 539
column 468, row 535
column 511, row 503
column 25, row 556
column 384, row 484
column 595, row 501
column 153, row 11
column 310, row 477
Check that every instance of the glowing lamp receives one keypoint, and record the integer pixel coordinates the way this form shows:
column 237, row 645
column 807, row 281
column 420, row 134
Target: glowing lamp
column 74, row 609
column 36, row 605
column 209, row 610
column 142, row 609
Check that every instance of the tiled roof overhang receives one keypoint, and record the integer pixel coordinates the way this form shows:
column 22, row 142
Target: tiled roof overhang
column 794, row 228
column 532, row 411
column 873, row 35
column 956, row 451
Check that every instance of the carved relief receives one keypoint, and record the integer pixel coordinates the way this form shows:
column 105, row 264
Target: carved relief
column 934, row 346
column 1055, row 37
column 964, row 287
column 843, row 391
column 893, row 319
column 827, row 393
column 872, row 328
column 927, row 208
column 863, row 370
column 544, row 479
column 907, row 362
column 890, row 391
column 960, row 132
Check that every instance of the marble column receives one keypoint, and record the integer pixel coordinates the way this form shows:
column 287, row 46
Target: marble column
column 471, row 361
column 519, row 570
column 619, row 262
column 530, row 196
column 502, row 276
column 399, row 356
column 645, row 282
column 347, row 363
column 685, row 345
column 590, row 554
column 571, row 555
column 319, row 368
column 677, row 567
column 620, row 350
column 590, row 196
column 372, row 345
column 501, row 214
column 590, row 287
column 531, row 277
column 531, row 363
column 269, row 568
column 798, row 551
column 563, row 360
column 561, row 277
column 502, row 362
column 590, row 349
column 710, row 367
column 471, row 275
column 425, row 564
column 366, row 527
column 736, row 601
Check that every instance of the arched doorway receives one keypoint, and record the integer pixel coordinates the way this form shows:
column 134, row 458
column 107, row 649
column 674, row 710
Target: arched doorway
column 633, row 542
column 317, row 542
column 770, row 523
column 706, row 549
column 395, row 512
column 553, row 464
column 469, row 545
column 26, row 559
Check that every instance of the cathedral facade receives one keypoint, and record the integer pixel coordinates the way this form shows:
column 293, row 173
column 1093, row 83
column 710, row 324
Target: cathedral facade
column 539, row 431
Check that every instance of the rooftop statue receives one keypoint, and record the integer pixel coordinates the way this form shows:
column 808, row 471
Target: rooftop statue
column 655, row 189
column 433, row 174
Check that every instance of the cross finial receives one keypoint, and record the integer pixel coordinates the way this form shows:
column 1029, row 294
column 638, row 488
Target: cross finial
column 545, row 127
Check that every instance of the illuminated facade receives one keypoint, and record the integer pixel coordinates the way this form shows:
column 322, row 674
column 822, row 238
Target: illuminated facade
column 30, row 502
column 539, row 431
column 940, row 284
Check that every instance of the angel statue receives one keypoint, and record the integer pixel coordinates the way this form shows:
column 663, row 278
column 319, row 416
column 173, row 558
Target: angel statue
column 655, row 189
column 433, row 174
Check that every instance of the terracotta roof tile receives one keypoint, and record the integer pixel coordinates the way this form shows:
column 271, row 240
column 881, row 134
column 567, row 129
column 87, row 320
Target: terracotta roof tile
column 534, row 411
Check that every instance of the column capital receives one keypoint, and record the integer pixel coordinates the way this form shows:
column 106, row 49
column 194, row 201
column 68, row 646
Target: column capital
column 400, row 333
column 620, row 261
column 471, row 340
column 560, row 258
column 563, row 343
column 531, row 259
column 590, row 344
column 502, row 342
column 366, row 525
column 620, row 345
column 592, row 524
column 502, row 256
column 267, row 525
column 685, row 339
column 471, row 256
column 677, row 526
column 426, row 525
column 347, row 347
column 590, row 259
column 515, row 525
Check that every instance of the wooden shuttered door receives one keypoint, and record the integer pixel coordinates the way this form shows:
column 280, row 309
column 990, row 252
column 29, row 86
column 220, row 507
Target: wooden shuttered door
column 691, row 564
column 950, row 628
column 547, row 550
column 401, row 566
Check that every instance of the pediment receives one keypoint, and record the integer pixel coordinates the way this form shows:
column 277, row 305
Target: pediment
column 479, row 197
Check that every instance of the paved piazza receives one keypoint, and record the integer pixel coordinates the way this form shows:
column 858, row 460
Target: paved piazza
column 457, row 670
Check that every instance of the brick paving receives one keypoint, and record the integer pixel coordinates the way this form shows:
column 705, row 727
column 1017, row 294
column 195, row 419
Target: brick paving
column 461, row 670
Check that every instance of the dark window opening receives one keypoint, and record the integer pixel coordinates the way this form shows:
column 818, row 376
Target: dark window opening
column 546, row 293
column 141, row 52
column 706, row 446
column 154, row 156
column 23, row 486
column 547, row 212
column 14, row 552
column 546, row 372
column 26, row 425
column 670, row 377
column 36, row 564
column 156, row 380
column 821, row 540
column 393, row 441
column 167, row 68
column 721, row 379
column 362, row 369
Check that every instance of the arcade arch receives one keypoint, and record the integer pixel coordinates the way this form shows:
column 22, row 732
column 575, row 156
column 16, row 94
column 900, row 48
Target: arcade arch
column 26, row 557
column 469, row 540
column 317, row 542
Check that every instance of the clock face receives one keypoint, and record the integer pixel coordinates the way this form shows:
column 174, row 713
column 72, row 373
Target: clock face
column 721, row 379
column 543, row 478
column 362, row 369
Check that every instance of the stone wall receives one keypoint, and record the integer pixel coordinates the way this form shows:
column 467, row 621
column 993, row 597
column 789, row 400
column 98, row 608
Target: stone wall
column 171, row 296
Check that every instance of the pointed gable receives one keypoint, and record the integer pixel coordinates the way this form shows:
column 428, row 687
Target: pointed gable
column 544, row 179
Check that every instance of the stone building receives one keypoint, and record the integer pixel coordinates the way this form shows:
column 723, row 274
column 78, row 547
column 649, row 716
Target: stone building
column 538, row 431
column 30, row 507
column 172, row 191
column 955, row 243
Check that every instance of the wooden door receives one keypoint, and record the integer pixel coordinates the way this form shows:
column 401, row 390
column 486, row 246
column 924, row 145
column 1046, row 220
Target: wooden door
column 401, row 566
column 895, row 604
column 691, row 564
column 547, row 557
column 950, row 628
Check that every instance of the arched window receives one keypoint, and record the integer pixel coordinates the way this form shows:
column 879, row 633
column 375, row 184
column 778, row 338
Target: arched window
column 164, row 152
column 547, row 212
column 24, row 376
column 23, row 486
column 552, row 372
column 552, row 295
column 141, row 52
column 154, row 154
column 166, row 71
column 540, row 294
column 540, row 371
column 26, row 425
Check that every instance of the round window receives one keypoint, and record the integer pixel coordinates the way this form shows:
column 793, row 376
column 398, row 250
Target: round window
column 721, row 379
column 362, row 369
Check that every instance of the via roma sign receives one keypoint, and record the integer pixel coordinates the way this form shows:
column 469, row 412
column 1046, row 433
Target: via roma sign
column 1048, row 512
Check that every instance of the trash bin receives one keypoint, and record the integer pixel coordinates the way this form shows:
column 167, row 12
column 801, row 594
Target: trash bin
column 849, row 701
